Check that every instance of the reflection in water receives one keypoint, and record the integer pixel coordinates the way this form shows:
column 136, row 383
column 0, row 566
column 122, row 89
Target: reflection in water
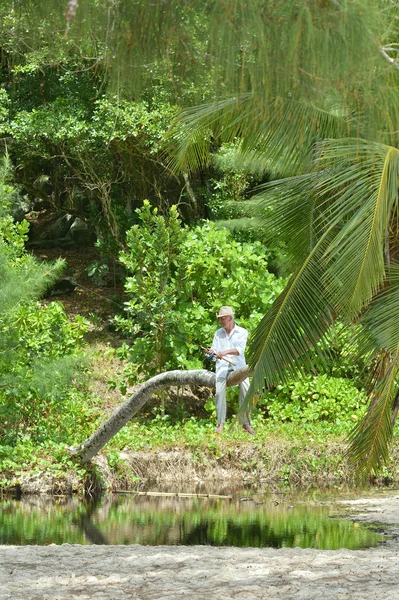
column 268, row 519
column 90, row 531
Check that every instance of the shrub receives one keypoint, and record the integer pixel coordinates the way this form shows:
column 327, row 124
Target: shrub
column 316, row 398
column 39, row 359
column 38, row 344
column 178, row 277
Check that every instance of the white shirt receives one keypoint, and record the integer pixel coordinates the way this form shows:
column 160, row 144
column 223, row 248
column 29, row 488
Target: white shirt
column 238, row 340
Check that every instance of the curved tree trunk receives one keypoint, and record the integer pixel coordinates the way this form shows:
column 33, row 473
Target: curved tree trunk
column 132, row 405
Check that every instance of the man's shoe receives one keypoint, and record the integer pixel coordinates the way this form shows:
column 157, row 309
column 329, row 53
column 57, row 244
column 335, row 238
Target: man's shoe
column 248, row 428
column 219, row 428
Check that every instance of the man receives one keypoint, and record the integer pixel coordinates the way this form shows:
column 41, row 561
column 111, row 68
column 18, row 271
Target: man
column 229, row 346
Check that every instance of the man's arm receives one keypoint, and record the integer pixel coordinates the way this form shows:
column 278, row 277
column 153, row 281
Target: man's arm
column 222, row 353
column 241, row 342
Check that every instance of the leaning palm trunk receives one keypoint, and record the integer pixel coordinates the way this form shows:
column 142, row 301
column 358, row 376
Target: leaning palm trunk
column 132, row 405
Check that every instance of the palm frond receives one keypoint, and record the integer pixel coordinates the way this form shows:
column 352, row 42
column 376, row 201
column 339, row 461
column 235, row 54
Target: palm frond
column 289, row 212
column 380, row 322
column 362, row 179
column 296, row 321
column 355, row 186
column 191, row 139
column 378, row 337
column 289, row 129
column 255, row 162
column 369, row 440
column 283, row 130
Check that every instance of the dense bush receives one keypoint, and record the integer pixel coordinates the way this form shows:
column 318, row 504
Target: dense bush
column 38, row 345
column 341, row 354
column 316, row 398
column 92, row 159
column 38, row 361
column 178, row 277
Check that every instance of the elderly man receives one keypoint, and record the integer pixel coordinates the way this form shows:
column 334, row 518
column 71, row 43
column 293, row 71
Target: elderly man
column 229, row 346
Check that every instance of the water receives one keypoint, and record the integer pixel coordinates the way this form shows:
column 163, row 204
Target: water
column 267, row 519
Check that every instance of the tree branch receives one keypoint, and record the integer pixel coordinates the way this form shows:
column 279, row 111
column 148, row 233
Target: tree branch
column 122, row 415
column 191, row 194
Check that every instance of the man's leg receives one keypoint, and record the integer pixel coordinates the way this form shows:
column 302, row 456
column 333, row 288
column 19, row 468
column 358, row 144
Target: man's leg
column 244, row 416
column 220, row 401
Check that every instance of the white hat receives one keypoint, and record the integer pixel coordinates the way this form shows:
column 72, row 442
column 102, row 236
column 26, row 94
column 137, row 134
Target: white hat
column 225, row 311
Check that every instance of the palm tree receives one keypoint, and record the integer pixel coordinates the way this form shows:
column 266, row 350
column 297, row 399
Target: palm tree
column 342, row 217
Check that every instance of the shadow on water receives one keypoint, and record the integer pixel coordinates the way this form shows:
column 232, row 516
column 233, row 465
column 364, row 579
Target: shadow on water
column 264, row 519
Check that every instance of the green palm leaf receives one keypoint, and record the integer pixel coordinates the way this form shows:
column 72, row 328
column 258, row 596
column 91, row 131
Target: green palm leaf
column 380, row 323
column 192, row 137
column 341, row 213
column 379, row 338
column 369, row 440
column 363, row 180
column 354, row 186
column 290, row 213
column 284, row 129
column 296, row 321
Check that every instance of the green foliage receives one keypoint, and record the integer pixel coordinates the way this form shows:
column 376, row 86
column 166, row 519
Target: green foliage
column 177, row 279
column 340, row 355
column 154, row 248
column 21, row 276
column 4, row 110
column 316, row 398
column 46, row 332
column 82, row 148
column 39, row 359
column 102, row 156
column 12, row 235
column 227, row 192
column 284, row 76
column 238, row 45
column 39, row 346
column 228, row 197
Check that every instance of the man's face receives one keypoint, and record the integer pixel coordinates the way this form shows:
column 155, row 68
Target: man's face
column 225, row 322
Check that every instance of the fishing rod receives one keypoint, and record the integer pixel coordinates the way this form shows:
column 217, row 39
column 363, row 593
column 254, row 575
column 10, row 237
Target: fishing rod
column 212, row 355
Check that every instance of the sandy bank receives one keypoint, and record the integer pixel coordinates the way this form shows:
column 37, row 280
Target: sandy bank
column 200, row 572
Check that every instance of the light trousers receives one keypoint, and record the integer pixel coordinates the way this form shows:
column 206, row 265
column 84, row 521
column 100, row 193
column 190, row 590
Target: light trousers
column 220, row 399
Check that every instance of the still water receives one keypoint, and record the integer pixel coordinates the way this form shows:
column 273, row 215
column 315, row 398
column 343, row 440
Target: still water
column 245, row 520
